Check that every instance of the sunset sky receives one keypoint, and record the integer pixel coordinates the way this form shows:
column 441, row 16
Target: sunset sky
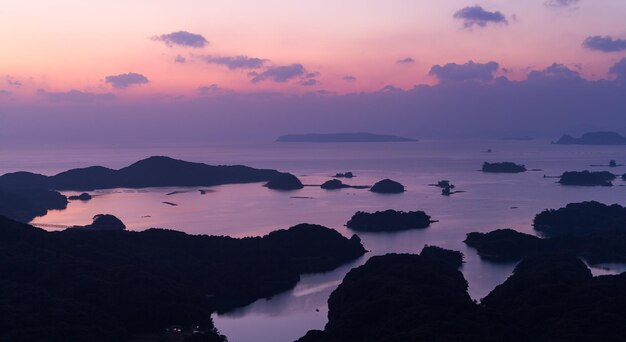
column 135, row 53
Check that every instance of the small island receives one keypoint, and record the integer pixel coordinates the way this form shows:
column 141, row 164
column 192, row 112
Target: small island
column 284, row 181
column 360, row 137
column 102, row 222
column 387, row 186
column 82, row 197
column 587, row 178
column 347, row 174
column 389, row 221
column 593, row 138
column 503, row 167
column 334, row 184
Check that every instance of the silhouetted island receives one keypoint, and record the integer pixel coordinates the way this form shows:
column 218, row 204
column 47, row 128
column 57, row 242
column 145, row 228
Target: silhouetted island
column 503, row 167
column 284, row 181
column 333, row 184
column 347, row 174
column 150, row 172
column 27, row 203
column 103, row 222
column 82, row 197
column 403, row 297
column 387, row 186
column 342, row 138
column 593, row 138
column 587, row 178
column 77, row 285
column 591, row 230
column 388, row 221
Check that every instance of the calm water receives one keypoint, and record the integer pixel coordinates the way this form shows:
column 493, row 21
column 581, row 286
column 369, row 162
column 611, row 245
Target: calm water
column 491, row 201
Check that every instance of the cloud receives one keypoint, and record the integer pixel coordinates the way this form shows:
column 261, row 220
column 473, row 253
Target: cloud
column 279, row 74
column 619, row 70
column 212, row 90
column 349, row 78
column 75, row 96
column 182, row 38
column 605, row 44
column 555, row 72
column 122, row 81
column 561, row 3
column 4, row 93
column 477, row 16
column 309, row 82
column 407, row 60
column 468, row 72
column 13, row 82
column 180, row 59
column 235, row 62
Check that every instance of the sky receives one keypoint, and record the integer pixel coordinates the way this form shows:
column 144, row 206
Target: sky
column 151, row 70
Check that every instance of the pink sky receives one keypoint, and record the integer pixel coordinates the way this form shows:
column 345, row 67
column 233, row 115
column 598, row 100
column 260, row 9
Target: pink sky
column 60, row 46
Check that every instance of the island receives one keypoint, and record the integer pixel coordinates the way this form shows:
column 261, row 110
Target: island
column 26, row 195
column 503, row 167
column 387, row 186
column 593, row 138
column 406, row 297
column 119, row 285
column 155, row 171
column 103, row 222
column 587, row 178
column 284, row 181
column 334, row 184
column 82, row 197
column 592, row 230
column 388, row 221
column 361, row 137
column 347, row 174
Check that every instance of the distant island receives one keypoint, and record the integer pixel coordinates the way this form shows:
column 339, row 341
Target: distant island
column 518, row 138
column 26, row 195
column 593, row 138
column 587, row 178
column 503, row 167
column 117, row 285
column 361, row 137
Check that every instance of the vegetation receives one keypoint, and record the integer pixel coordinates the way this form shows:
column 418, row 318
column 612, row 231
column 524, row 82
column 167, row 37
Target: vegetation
column 503, row 167
column 414, row 298
column 387, row 186
column 91, row 285
column 388, row 220
column 587, row 178
column 284, row 181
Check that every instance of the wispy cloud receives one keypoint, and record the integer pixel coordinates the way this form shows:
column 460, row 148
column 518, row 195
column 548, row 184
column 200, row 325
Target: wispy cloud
column 279, row 74
column 561, row 3
column 605, row 44
column 75, row 96
column 235, row 62
column 406, row 61
column 182, row 38
column 122, row 81
column 349, row 78
column 478, row 16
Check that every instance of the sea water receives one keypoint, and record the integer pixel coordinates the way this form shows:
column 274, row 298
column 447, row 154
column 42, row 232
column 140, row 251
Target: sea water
column 488, row 202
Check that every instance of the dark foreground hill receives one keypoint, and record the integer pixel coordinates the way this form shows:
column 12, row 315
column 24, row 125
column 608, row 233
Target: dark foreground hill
column 414, row 298
column 81, row 285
